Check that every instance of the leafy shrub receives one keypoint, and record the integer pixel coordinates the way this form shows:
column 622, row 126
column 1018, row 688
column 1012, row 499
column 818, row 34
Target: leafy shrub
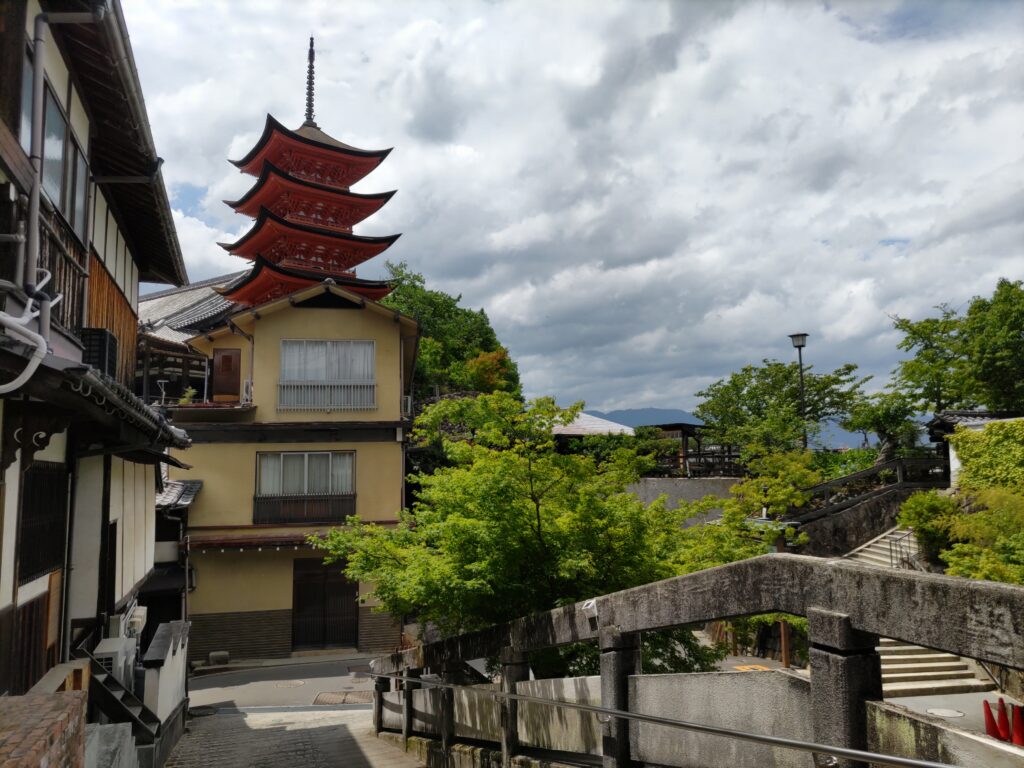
column 929, row 515
column 833, row 464
column 992, row 457
column 989, row 543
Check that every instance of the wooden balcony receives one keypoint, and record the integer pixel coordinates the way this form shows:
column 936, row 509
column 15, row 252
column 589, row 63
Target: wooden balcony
column 300, row 510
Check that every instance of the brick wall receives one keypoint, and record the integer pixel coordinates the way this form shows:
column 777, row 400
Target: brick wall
column 43, row 730
column 245, row 635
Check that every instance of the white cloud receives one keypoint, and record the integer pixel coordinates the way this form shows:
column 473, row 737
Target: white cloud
column 644, row 197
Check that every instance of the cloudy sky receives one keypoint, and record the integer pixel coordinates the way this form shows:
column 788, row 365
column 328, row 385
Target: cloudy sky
column 643, row 196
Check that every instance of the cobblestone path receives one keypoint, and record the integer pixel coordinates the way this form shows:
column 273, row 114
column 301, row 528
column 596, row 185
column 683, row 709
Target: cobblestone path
column 305, row 739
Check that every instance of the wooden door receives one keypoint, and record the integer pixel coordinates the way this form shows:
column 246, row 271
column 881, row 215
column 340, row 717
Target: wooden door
column 324, row 609
column 227, row 375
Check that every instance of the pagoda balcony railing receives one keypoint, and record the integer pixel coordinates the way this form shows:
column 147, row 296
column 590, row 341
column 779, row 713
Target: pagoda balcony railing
column 303, row 509
column 326, row 396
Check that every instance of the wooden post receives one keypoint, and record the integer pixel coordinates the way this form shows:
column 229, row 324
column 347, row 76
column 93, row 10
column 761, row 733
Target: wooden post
column 514, row 668
column 620, row 658
column 409, row 684
column 381, row 685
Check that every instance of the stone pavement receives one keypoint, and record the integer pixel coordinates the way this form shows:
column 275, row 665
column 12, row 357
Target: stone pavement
column 320, row 738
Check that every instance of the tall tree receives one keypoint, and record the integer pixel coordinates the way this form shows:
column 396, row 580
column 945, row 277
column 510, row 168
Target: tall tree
column 890, row 416
column 993, row 331
column 935, row 377
column 459, row 350
column 759, row 407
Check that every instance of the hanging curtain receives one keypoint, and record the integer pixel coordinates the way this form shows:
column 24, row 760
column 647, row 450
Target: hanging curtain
column 293, row 481
column 318, row 468
column 292, row 363
column 270, row 474
column 341, row 473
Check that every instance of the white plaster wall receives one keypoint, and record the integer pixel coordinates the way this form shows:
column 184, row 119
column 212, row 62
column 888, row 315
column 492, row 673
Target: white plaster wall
column 166, row 552
column 165, row 686
column 55, row 450
column 12, row 480
column 83, row 584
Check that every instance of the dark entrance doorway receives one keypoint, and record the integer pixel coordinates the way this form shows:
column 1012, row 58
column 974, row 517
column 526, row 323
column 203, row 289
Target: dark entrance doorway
column 324, row 609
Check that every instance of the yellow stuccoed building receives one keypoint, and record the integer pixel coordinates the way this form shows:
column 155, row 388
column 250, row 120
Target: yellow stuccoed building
column 287, row 462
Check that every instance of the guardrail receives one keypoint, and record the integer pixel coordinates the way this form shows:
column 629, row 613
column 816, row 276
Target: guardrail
column 843, row 492
column 848, row 606
column 875, row 758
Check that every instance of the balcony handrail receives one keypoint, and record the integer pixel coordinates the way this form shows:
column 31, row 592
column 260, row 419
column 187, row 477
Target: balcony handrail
column 621, row 714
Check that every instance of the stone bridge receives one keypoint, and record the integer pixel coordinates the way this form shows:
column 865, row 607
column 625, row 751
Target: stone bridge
column 848, row 606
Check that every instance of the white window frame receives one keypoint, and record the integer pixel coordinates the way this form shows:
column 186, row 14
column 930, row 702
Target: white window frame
column 305, row 472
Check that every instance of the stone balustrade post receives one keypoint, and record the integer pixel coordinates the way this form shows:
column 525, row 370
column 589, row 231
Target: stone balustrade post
column 410, row 683
column 514, row 669
column 381, row 685
column 846, row 673
column 620, row 658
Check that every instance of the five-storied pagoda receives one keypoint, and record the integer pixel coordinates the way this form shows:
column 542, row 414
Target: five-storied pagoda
column 304, row 211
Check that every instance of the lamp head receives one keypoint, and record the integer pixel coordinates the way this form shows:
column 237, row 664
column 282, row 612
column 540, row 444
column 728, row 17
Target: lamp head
column 799, row 340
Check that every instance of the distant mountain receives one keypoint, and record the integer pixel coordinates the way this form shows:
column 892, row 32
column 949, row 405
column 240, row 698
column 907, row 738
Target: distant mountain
column 641, row 417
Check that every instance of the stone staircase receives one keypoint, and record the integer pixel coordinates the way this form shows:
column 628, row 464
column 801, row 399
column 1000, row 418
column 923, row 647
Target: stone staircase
column 910, row 670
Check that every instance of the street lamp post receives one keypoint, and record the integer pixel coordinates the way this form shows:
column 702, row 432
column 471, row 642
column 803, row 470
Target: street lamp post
column 800, row 341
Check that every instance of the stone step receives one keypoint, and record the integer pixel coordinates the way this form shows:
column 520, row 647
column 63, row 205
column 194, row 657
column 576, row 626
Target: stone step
column 907, row 650
column 934, row 666
column 935, row 687
column 920, row 658
column 906, row 677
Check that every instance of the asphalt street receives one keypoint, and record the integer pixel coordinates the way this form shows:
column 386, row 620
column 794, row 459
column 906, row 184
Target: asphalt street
column 290, row 685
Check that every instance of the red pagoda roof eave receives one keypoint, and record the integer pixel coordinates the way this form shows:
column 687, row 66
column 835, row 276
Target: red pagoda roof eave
column 266, row 218
column 269, row 169
column 273, row 126
column 254, row 286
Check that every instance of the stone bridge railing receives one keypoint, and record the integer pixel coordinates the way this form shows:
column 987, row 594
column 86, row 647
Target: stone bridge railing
column 848, row 606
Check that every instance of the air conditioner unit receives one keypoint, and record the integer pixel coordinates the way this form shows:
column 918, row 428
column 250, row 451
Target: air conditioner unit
column 137, row 621
column 117, row 656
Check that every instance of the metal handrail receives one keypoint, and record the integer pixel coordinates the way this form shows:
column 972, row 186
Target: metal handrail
column 776, row 741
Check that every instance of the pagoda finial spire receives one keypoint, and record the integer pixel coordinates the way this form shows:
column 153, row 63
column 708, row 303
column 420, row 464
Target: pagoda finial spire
column 309, row 86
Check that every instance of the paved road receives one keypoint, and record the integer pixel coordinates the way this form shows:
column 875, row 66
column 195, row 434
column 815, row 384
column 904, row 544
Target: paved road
column 285, row 738
column 293, row 684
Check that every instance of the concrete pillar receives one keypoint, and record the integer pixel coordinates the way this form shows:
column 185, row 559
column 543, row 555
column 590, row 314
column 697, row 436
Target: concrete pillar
column 514, row 668
column 846, row 673
column 381, row 685
column 620, row 658
column 410, row 683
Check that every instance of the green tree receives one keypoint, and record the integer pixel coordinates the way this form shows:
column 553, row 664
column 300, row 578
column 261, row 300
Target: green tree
column 511, row 526
column 645, row 441
column 890, row 416
column 758, row 408
column 459, row 350
column 989, row 543
column 993, row 332
column 935, row 378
